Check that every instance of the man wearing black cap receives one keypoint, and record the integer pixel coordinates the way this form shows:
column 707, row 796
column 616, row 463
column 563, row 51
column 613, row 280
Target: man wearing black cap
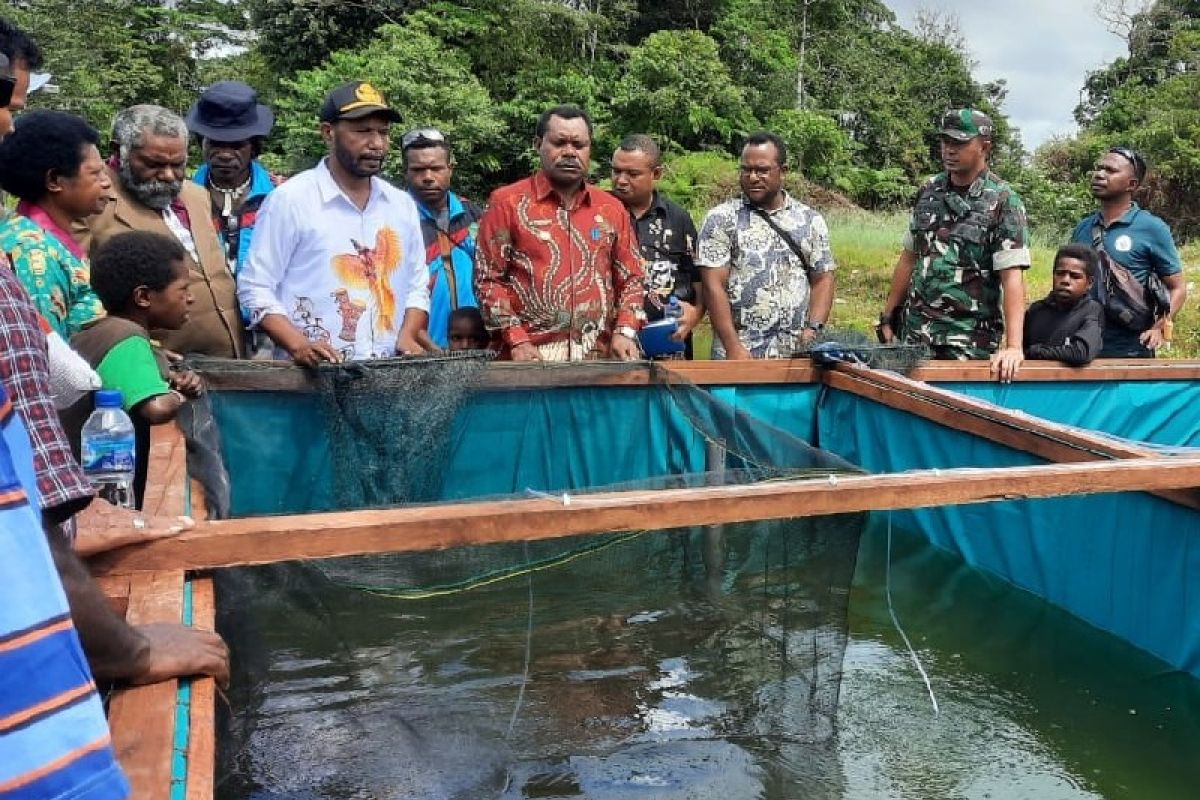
column 336, row 268
column 960, row 278
column 1141, row 243
column 231, row 125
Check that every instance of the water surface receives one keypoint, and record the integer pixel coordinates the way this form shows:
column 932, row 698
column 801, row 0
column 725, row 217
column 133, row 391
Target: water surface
column 689, row 665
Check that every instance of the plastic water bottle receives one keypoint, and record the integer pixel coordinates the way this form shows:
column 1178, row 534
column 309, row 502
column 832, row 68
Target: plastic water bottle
column 109, row 448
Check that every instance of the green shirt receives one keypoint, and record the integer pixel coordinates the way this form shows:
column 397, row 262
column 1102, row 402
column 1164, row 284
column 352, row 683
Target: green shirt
column 57, row 282
column 131, row 367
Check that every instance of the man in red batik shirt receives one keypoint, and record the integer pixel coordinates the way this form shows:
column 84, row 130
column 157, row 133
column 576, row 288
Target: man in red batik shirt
column 557, row 269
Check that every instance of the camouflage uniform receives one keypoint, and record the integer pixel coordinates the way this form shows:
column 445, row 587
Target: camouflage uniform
column 962, row 240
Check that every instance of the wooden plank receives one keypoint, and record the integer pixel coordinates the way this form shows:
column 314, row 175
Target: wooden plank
column 1049, row 440
column 502, row 375
column 116, row 590
column 709, row 373
column 202, row 737
column 142, row 718
column 198, row 504
column 1115, row 369
column 166, row 472
column 269, row 539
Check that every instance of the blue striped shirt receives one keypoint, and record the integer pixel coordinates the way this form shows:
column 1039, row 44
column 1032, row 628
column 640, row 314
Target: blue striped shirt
column 54, row 740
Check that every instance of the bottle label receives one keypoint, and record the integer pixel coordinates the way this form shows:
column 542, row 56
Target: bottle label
column 108, row 456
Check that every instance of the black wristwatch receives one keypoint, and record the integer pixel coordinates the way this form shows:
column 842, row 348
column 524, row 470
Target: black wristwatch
column 815, row 326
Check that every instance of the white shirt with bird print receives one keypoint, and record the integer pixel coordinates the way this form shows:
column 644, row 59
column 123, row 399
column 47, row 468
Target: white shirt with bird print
column 340, row 274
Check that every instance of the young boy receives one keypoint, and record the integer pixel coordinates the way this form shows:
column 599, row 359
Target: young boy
column 142, row 280
column 466, row 330
column 1068, row 325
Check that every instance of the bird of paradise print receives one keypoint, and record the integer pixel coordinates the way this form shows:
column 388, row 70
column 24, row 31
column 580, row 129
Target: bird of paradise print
column 371, row 268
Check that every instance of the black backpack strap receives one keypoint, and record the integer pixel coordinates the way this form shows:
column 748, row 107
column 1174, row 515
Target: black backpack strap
column 792, row 244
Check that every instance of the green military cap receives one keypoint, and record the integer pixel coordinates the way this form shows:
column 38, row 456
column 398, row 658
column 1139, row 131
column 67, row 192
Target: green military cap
column 964, row 124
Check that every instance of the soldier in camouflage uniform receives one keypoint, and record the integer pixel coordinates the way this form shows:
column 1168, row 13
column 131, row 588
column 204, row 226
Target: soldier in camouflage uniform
column 960, row 276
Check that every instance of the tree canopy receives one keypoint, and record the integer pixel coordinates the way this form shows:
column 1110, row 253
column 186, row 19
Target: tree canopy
column 854, row 94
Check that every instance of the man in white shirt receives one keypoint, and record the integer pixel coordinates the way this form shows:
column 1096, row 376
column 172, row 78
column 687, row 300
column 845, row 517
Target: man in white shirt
column 336, row 269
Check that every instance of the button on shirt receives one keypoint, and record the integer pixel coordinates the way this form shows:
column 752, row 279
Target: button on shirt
column 340, row 274
column 768, row 285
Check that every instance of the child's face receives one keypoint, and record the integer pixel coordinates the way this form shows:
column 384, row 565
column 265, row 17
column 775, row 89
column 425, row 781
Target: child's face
column 169, row 307
column 1071, row 281
column 467, row 336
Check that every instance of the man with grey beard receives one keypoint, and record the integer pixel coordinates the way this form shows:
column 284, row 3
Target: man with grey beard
column 148, row 166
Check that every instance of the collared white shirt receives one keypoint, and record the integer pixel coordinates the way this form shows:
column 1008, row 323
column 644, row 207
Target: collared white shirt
column 340, row 274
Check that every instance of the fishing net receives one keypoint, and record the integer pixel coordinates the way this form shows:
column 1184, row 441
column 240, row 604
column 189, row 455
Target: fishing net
column 848, row 346
column 670, row 664
column 553, row 668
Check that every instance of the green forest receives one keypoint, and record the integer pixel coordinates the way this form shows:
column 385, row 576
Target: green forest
column 853, row 92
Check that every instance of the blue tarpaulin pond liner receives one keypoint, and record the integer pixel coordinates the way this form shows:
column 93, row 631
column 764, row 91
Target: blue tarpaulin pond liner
column 1073, row 551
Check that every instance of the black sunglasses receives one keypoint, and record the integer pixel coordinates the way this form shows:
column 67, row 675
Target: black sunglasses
column 1134, row 158
column 422, row 136
column 7, row 84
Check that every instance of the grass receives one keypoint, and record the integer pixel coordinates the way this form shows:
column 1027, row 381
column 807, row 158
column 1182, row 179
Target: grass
column 866, row 245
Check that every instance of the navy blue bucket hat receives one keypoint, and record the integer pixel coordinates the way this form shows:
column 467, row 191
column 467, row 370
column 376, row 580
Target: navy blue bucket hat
column 229, row 111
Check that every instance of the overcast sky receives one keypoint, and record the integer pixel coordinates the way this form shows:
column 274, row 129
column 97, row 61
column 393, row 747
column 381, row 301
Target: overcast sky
column 1044, row 48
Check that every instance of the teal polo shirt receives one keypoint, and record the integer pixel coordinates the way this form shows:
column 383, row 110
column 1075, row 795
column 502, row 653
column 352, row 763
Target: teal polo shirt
column 1140, row 241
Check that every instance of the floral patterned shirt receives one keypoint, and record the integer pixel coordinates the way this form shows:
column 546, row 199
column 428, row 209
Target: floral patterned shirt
column 58, row 281
column 561, row 278
column 768, row 284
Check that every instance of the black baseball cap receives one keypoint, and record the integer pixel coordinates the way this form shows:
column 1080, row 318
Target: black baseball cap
column 355, row 100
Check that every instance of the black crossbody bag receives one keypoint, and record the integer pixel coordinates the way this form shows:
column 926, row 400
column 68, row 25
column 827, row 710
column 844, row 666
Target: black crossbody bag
column 792, row 244
column 1126, row 302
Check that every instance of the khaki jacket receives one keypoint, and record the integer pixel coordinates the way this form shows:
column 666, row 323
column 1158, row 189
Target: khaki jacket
column 215, row 327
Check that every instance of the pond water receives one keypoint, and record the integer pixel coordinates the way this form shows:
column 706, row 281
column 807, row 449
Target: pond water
column 690, row 664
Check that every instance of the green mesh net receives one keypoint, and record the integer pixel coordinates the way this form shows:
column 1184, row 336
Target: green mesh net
column 484, row 662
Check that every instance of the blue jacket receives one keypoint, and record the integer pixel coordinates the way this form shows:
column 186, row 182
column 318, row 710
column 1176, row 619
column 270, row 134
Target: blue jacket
column 451, row 285
column 261, row 185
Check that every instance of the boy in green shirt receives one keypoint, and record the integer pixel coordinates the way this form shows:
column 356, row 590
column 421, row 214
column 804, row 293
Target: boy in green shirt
column 142, row 280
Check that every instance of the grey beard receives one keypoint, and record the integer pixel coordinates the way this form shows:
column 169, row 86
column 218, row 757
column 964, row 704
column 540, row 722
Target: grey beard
column 153, row 193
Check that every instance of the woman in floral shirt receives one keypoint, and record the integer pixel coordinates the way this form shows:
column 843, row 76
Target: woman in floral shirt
column 51, row 163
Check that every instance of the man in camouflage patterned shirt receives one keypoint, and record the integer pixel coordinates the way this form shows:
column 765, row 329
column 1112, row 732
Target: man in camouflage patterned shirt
column 960, row 276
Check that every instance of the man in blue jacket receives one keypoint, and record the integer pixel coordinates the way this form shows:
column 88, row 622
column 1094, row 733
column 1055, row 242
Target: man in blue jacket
column 448, row 224
column 231, row 125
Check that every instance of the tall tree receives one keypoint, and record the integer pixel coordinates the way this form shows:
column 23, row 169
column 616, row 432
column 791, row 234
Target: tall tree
column 429, row 82
column 675, row 85
column 106, row 56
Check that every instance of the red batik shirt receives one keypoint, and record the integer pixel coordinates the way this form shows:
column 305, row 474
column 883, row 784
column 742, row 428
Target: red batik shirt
column 546, row 274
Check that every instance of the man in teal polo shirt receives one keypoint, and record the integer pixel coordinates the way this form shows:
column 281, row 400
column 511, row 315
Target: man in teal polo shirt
column 1139, row 241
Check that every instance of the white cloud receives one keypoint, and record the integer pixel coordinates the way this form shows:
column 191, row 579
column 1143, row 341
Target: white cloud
column 1042, row 48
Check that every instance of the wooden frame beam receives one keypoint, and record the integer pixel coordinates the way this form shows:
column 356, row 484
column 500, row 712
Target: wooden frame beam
column 502, row 375
column 1049, row 440
column 142, row 718
column 311, row 536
